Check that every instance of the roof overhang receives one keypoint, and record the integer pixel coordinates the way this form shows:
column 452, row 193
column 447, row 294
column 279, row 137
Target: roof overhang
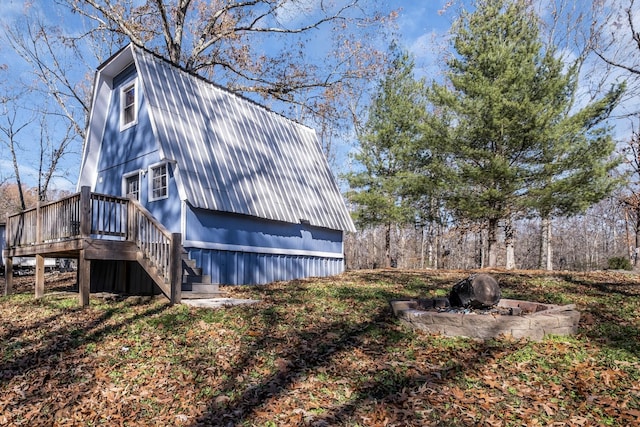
column 118, row 62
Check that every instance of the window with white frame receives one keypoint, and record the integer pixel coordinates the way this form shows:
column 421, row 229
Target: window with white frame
column 158, row 182
column 131, row 185
column 128, row 106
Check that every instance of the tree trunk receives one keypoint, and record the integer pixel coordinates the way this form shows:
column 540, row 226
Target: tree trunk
column 509, row 240
column 480, row 245
column 637, row 230
column 546, row 248
column 422, row 243
column 492, row 240
column 387, row 246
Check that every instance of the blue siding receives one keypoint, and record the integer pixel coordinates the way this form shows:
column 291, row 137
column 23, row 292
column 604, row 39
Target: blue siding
column 239, row 249
column 242, row 268
column 125, row 151
column 225, row 228
column 131, row 150
column 167, row 211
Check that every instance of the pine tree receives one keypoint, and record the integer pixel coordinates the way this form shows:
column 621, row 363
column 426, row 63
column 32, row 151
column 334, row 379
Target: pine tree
column 577, row 166
column 510, row 98
column 389, row 156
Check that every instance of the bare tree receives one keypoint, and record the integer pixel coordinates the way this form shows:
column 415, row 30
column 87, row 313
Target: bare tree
column 630, row 200
column 616, row 42
column 9, row 131
column 55, row 95
column 52, row 151
column 59, row 69
column 265, row 47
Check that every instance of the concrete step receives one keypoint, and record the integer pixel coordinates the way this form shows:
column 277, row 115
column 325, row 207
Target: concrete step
column 200, row 287
column 202, row 295
column 204, row 287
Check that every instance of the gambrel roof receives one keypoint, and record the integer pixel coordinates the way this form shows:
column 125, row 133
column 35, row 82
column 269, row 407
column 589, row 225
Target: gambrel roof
column 230, row 153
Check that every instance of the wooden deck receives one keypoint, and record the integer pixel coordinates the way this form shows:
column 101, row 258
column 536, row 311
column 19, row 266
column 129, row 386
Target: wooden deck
column 89, row 226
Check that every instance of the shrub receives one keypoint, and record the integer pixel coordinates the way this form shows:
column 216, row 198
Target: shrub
column 619, row 263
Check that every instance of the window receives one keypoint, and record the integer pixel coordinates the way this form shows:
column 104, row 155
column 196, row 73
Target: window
column 158, row 182
column 132, row 185
column 128, row 114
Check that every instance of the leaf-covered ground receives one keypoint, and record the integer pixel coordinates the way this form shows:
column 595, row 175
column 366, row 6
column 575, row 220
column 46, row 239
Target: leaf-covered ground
column 319, row 352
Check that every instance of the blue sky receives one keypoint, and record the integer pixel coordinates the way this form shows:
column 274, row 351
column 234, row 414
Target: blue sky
column 422, row 26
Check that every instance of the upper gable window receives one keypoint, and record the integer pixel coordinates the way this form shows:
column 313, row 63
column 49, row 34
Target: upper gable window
column 128, row 106
column 158, row 183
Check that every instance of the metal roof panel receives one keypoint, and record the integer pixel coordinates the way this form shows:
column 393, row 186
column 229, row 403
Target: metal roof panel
column 236, row 156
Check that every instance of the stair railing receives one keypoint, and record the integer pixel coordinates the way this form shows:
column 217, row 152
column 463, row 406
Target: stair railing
column 161, row 248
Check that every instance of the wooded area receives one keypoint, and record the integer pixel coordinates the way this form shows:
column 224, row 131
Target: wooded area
column 583, row 242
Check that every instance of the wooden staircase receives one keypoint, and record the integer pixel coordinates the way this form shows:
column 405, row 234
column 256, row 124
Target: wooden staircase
column 195, row 285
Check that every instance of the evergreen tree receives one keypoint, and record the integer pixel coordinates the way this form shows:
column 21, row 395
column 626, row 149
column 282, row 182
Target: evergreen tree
column 510, row 98
column 577, row 166
column 390, row 152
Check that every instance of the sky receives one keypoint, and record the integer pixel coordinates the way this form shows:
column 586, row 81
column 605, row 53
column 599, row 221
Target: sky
column 422, row 26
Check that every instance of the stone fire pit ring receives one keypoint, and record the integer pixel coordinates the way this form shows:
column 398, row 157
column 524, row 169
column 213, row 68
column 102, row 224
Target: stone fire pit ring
column 524, row 319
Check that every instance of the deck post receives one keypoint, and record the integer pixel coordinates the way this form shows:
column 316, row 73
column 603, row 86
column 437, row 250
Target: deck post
column 84, row 279
column 85, row 211
column 175, row 267
column 8, row 276
column 84, row 265
column 39, row 276
column 39, row 258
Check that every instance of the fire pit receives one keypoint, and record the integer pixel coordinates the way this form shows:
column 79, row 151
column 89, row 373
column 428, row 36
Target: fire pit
column 508, row 317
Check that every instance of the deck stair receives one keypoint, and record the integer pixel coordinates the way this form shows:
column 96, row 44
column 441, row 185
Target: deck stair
column 195, row 285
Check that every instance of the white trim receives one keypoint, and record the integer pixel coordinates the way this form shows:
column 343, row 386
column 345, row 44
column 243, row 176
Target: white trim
column 92, row 150
column 126, row 87
column 257, row 249
column 150, row 181
column 183, row 219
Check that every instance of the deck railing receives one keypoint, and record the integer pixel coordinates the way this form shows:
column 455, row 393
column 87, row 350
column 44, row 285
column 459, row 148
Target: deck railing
column 62, row 220
column 109, row 216
column 101, row 216
column 59, row 219
column 21, row 229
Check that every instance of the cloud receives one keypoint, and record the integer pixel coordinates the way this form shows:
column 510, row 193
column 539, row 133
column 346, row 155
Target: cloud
column 12, row 9
column 294, row 12
column 429, row 51
column 29, row 176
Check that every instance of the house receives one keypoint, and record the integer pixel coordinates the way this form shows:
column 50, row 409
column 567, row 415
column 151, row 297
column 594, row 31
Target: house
column 249, row 190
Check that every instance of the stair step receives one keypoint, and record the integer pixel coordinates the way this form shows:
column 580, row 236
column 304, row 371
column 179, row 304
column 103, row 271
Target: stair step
column 187, row 280
column 189, row 263
column 195, row 285
column 200, row 287
column 195, row 276
column 202, row 295
column 204, row 287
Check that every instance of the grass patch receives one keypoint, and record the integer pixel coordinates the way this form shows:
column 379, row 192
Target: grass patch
column 319, row 352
